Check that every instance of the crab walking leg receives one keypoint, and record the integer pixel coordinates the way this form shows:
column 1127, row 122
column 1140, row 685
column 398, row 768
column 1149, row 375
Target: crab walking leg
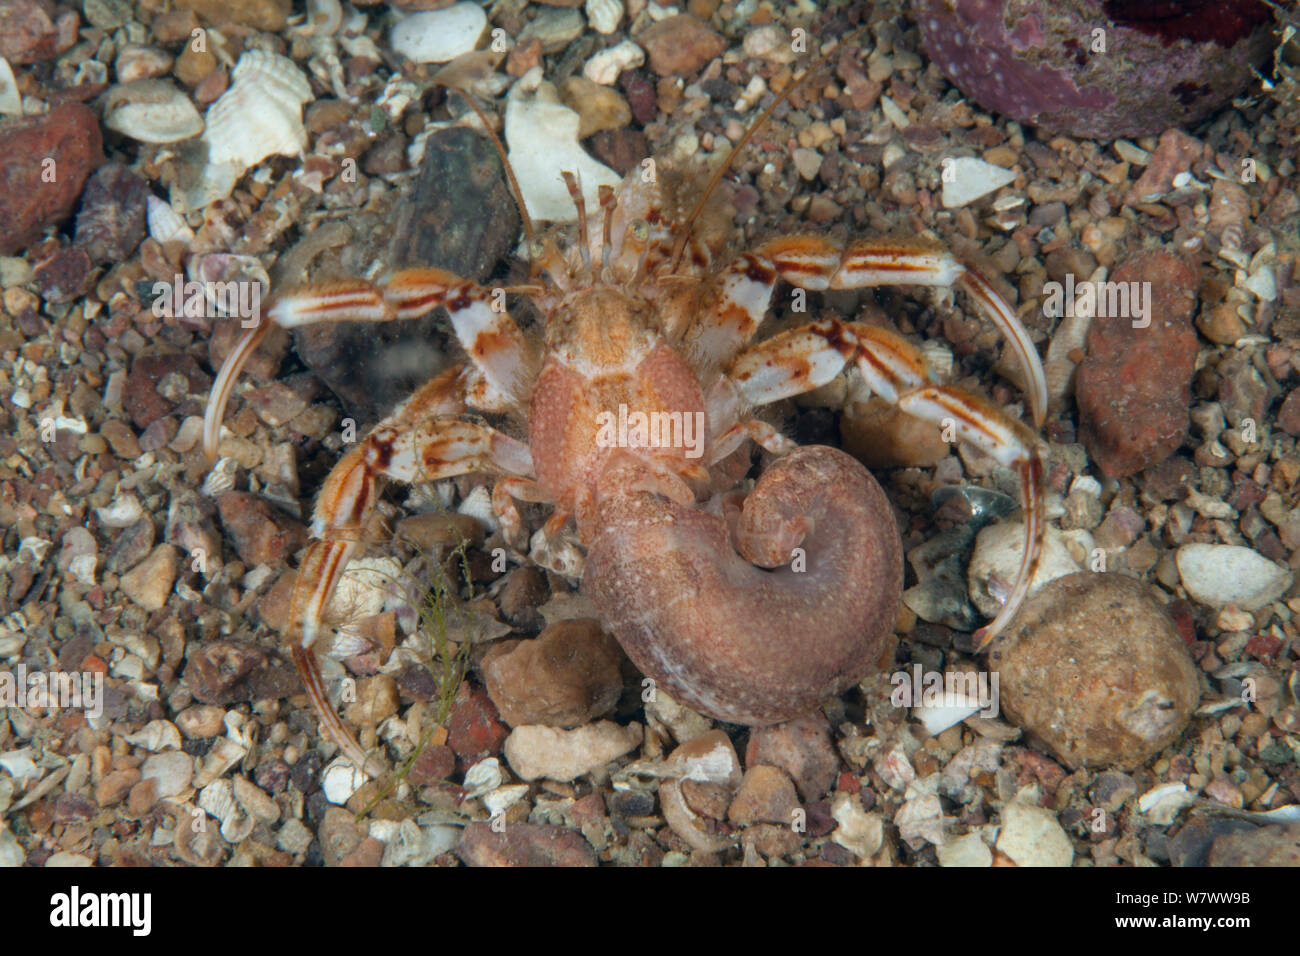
column 407, row 452
column 502, row 357
column 817, row 264
column 802, row 359
column 744, row 295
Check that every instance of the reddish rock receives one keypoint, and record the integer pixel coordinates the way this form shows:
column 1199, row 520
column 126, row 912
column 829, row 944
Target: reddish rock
column 680, row 45
column 1134, row 388
column 63, row 276
column 766, row 795
column 46, row 161
column 140, row 396
column 524, row 844
column 261, row 534
column 1174, row 153
column 28, row 33
column 111, row 222
column 473, row 730
column 1288, row 416
column 802, row 748
column 566, row 677
column 436, row 762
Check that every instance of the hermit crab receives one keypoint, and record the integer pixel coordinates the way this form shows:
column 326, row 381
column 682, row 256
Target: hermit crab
column 750, row 606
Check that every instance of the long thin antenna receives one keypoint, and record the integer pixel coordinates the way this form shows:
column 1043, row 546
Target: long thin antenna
column 758, row 124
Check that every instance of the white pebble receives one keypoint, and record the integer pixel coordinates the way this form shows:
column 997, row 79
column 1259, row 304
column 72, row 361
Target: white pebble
column 1031, row 836
column 605, row 66
column 604, row 15
column 995, row 563
column 1219, row 574
column 340, row 780
column 438, row 36
column 966, row 179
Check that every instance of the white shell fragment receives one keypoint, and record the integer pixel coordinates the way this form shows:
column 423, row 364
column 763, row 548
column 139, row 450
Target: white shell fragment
column 605, row 66
column 1219, row 574
column 439, row 36
column 340, row 780
column 996, row 562
column 151, row 111
column 604, row 15
column 11, row 102
column 542, row 138
column 164, row 224
column 259, row 116
column 966, row 179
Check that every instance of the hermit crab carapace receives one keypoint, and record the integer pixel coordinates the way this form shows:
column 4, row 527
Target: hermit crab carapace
column 645, row 314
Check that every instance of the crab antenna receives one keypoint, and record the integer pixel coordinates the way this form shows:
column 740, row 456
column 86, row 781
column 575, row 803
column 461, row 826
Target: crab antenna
column 607, row 204
column 584, row 238
column 529, row 234
column 758, row 124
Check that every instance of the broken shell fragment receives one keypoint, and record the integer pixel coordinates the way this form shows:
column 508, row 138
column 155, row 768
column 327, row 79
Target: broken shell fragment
column 151, row 111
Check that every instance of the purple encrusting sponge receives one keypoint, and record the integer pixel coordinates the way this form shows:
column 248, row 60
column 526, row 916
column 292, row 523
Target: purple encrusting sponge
column 1165, row 62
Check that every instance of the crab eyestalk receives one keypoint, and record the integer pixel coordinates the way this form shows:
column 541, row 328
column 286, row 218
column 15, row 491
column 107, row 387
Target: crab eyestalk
column 737, row 642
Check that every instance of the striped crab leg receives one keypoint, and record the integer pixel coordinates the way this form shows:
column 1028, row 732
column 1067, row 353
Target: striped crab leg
column 502, row 358
column 816, row 264
column 805, row 358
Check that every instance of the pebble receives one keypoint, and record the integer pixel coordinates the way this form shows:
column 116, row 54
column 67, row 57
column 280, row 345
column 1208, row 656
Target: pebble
column 473, row 730
column 1263, row 846
column 535, row 752
column 141, row 398
column 967, row 850
column 680, row 45
column 260, row 533
column 598, row 107
column 802, row 748
column 604, row 15
column 156, row 736
column 967, row 179
column 555, row 28
column 808, row 163
column 995, row 563
column 1134, row 387
column 880, row 435
column 542, row 135
column 27, row 32
column 68, row 135
column 341, row 780
column 1097, row 669
column 604, row 67
column 268, row 15
column 1031, row 836
column 114, row 786
column 111, row 222
column 201, row 721
column 170, row 772
column 708, row 758
column 149, row 583
column 859, row 832
column 1175, row 152
column 439, row 36
column 1220, row 574
column 567, row 676
column 766, row 795
column 524, row 845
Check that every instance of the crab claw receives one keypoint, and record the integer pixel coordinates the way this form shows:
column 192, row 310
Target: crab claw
column 739, row 643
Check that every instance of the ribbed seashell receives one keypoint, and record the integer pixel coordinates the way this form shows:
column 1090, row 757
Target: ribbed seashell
column 604, row 15
column 164, row 224
column 11, row 102
column 135, row 61
column 261, row 114
column 151, row 111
